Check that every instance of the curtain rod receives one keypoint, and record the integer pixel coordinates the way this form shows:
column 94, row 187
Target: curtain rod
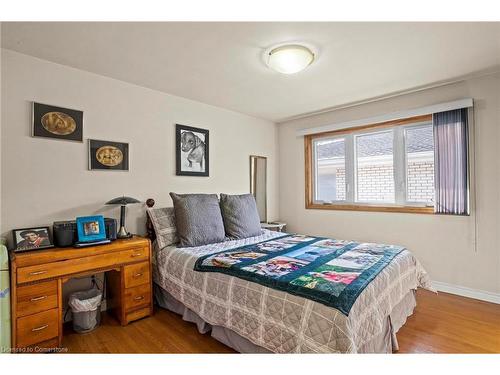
column 441, row 107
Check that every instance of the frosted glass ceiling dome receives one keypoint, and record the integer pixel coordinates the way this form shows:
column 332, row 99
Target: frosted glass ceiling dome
column 289, row 58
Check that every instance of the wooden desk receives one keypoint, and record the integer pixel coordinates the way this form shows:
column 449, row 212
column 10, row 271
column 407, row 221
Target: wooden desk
column 37, row 279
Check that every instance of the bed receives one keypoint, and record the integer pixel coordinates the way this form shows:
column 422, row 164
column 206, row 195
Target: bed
column 255, row 318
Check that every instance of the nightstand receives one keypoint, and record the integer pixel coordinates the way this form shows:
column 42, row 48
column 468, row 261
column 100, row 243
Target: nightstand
column 37, row 279
column 274, row 225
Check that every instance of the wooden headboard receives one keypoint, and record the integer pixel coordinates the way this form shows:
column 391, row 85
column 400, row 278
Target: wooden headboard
column 150, row 202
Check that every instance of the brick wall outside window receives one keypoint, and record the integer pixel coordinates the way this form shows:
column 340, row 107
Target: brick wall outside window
column 376, row 183
column 420, row 182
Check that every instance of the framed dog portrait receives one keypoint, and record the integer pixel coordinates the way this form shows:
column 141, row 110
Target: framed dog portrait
column 31, row 239
column 191, row 151
column 57, row 122
column 108, row 155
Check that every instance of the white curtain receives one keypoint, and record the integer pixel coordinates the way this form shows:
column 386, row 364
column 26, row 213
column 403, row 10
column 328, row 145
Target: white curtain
column 451, row 158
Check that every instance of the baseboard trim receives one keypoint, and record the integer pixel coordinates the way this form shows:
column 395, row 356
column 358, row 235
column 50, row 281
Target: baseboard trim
column 467, row 292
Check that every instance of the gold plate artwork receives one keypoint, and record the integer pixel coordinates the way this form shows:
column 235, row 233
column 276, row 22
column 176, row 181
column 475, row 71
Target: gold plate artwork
column 58, row 123
column 109, row 156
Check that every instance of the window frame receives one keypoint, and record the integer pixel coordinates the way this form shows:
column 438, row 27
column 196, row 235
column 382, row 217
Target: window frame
column 350, row 204
column 315, row 163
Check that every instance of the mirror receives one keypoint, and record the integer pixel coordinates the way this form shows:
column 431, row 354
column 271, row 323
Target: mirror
column 258, row 184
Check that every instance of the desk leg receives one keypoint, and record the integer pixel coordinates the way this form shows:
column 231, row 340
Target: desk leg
column 60, row 312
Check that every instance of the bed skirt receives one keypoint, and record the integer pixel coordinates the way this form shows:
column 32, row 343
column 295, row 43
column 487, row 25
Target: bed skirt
column 386, row 342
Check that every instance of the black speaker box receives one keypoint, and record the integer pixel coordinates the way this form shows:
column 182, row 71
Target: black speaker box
column 65, row 233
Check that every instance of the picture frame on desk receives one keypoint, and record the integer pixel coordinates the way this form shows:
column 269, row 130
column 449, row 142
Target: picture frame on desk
column 90, row 228
column 26, row 239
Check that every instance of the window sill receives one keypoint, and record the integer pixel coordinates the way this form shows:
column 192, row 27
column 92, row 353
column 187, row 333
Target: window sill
column 372, row 208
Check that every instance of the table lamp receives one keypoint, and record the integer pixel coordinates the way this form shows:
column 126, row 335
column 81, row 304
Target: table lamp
column 123, row 201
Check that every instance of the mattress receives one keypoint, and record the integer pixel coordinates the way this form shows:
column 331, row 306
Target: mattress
column 278, row 321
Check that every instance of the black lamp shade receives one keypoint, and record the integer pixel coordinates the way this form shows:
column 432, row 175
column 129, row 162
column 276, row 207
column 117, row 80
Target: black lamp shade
column 123, row 201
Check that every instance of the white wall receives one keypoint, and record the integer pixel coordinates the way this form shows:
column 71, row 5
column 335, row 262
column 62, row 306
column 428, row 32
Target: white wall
column 44, row 180
column 444, row 244
column 1, row 238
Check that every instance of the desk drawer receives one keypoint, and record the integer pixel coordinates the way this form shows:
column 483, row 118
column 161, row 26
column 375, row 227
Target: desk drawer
column 136, row 274
column 137, row 297
column 37, row 328
column 134, row 255
column 36, row 297
column 66, row 267
column 138, row 314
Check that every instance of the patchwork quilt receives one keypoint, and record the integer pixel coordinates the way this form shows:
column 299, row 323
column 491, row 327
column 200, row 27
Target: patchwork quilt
column 280, row 321
column 329, row 271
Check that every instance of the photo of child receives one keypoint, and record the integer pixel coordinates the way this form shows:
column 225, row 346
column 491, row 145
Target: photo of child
column 91, row 227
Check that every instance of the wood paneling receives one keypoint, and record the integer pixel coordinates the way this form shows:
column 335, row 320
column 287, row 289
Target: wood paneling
column 442, row 323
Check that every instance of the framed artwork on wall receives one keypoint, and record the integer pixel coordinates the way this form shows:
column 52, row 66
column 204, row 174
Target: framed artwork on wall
column 108, row 155
column 191, row 146
column 57, row 122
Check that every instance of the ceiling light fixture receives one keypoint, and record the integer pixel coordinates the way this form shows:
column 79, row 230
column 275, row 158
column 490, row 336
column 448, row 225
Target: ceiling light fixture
column 289, row 58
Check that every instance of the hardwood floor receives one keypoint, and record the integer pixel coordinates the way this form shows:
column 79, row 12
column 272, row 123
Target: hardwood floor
column 446, row 323
column 442, row 323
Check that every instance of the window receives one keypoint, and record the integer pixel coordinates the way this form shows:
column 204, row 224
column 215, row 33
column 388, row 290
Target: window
column 375, row 167
column 330, row 169
column 419, row 149
column 380, row 167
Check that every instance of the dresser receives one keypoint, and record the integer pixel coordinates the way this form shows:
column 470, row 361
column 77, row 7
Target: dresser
column 38, row 278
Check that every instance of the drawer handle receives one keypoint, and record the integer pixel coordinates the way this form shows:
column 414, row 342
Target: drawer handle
column 136, row 255
column 139, row 298
column 138, row 274
column 38, row 298
column 37, row 273
column 39, row 328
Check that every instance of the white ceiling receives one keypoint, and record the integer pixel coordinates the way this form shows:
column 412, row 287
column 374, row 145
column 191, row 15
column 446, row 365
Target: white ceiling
column 221, row 63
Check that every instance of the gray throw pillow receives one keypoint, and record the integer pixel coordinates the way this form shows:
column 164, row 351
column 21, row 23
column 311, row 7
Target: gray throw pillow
column 198, row 219
column 163, row 220
column 241, row 218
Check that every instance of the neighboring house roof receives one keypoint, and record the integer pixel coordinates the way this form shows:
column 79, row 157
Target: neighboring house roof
column 418, row 140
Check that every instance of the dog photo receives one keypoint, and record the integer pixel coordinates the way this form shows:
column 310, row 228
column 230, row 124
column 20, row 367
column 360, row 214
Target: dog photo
column 108, row 155
column 56, row 122
column 191, row 151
